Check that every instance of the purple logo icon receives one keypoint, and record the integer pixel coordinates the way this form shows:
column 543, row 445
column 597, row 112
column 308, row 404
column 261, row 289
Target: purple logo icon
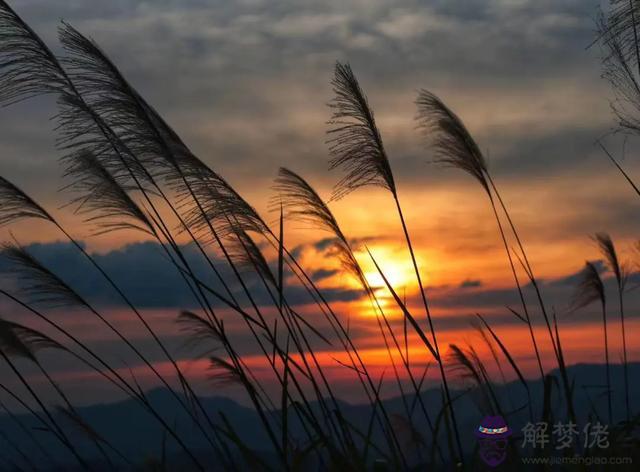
column 493, row 435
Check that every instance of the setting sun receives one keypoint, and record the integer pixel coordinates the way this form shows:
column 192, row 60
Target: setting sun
column 397, row 269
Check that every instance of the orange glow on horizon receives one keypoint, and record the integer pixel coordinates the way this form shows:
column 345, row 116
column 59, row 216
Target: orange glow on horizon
column 397, row 269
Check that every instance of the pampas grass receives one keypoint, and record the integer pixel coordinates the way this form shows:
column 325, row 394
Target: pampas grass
column 127, row 169
column 590, row 289
column 620, row 272
column 356, row 146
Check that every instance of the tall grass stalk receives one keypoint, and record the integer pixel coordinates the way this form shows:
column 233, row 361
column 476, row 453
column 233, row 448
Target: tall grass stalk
column 455, row 147
column 608, row 251
column 591, row 289
column 303, row 203
column 356, row 146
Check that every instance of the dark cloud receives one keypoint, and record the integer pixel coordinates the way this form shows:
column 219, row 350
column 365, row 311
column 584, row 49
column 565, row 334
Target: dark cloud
column 150, row 281
column 322, row 274
column 469, row 283
column 145, row 274
column 324, row 244
column 573, row 279
column 557, row 294
column 297, row 250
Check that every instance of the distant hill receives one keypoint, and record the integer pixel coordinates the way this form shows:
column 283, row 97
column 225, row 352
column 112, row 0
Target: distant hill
column 138, row 435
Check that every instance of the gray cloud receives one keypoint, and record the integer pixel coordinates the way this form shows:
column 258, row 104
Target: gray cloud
column 254, row 76
column 148, row 278
column 144, row 274
column 469, row 283
column 573, row 279
column 322, row 274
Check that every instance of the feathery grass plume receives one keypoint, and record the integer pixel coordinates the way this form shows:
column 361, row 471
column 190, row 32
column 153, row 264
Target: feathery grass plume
column 12, row 345
column 302, row 203
column 24, row 341
column 103, row 199
column 461, row 363
column 244, row 251
column 198, row 329
column 217, row 204
column 27, row 66
column 465, row 364
column 82, row 131
column 16, row 205
column 137, row 125
column 455, row 147
column 107, row 92
column 72, row 104
column 355, row 143
column 96, row 125
column 157, row 150
column 452, row 141
column 589, row 288
column 33, row 339
column 618, row 70
column 608, row 250
column 37, row 282
column 81, row 128
column 622, row 23
column 149, row 138
column 224, row 372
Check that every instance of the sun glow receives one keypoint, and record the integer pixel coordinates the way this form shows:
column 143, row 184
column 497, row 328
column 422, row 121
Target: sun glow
column 397, row 269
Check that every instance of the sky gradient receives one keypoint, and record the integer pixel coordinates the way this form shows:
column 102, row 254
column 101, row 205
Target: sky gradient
column 246, row 83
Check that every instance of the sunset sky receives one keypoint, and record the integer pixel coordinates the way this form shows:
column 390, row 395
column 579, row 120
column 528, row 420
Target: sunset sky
column 245, row 83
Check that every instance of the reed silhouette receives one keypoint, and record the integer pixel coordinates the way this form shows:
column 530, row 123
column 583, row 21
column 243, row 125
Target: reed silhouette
column 127, row 169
